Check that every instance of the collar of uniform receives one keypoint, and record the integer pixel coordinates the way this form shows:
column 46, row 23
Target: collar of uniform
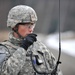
column 13, row 40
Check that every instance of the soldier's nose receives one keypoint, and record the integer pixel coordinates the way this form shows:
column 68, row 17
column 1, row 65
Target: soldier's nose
column 30, row 30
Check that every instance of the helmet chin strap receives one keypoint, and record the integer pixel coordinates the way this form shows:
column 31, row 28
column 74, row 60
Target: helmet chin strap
column 16, row 31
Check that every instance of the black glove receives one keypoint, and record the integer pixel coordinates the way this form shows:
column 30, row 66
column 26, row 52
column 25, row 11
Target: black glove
column 28, row 40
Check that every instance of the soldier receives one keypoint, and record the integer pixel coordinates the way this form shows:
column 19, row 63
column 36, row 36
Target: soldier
column 23, row 54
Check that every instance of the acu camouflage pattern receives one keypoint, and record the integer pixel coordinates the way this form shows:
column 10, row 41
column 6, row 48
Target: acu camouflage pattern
column 21, row 14
column 19, row 63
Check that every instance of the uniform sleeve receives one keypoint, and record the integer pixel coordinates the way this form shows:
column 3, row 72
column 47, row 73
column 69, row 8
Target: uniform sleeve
column 50, row 57
column 12, row 64
column 52, row 62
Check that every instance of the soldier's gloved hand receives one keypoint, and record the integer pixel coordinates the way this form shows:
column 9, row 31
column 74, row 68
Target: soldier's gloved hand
column 28, row 40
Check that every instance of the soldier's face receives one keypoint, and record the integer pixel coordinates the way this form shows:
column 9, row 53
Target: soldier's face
column 26, row 29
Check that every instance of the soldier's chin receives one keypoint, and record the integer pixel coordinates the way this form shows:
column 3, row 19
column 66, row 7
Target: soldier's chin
column 23, row 36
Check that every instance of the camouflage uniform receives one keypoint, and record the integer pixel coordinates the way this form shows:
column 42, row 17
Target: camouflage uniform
column 17, row 60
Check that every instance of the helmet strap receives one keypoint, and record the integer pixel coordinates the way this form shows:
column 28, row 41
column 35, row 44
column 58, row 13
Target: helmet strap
column 16, row 31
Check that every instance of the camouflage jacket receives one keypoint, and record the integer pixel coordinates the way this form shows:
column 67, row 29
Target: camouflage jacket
column 17, row 60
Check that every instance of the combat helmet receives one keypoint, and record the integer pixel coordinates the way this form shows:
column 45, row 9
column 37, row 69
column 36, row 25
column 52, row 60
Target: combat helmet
column 21, row 14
